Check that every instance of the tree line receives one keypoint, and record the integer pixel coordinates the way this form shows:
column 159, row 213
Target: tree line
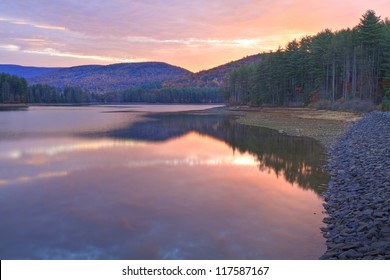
column 14, row 89
column 342, row 65
column 165, row 95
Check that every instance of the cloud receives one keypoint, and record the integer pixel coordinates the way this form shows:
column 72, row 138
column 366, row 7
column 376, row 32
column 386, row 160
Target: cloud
column 49, row 27
column 174, row 31
column 36, row 25
column 54, row 52
column 10, row 47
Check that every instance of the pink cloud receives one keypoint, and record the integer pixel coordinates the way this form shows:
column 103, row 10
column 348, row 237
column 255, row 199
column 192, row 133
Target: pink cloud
column 191, row 34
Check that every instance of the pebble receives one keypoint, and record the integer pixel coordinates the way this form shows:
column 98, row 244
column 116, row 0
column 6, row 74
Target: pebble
column 357, row 201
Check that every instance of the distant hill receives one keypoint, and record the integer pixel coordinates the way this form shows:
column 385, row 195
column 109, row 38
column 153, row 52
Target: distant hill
column 115, row 77
column 212, row 78
column 26, row 71
column 123, row 76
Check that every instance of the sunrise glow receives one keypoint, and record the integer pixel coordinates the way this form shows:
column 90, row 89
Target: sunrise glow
column 195, row 35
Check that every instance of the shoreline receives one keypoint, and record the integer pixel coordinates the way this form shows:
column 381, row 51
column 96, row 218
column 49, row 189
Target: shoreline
column 358, row 195
column 13, row 107
column 357, row 200
column 323, row 125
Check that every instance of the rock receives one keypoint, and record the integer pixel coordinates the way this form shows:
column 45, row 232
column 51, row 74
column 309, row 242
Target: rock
column 327, row 220
column 380, row 245
column 350, row 254
column 368, row 258
column 350, row 246
column 358, row 194
column 324, row 229
column 362, row 227
column 346, row 232
column 367, row 212
column 371, row 233
column 385, row 230
column 380, row 214
column 373, row 252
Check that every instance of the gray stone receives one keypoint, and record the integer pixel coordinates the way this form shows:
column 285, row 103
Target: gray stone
column 362, row 227
column 351, row 254
column 380, row 245
column 380, row 214
column 357, row 199
column 350, row 246
column 385, row 230
column 327, row 220
column 374, row 252
column 367, row 212
column 368, row 258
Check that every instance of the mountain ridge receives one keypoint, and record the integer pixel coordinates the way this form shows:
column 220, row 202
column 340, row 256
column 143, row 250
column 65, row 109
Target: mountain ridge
column 122, row 76
column 26, row 71
column 213, row 77
column 114, row 77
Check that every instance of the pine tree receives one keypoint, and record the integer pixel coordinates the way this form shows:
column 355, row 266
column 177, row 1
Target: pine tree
column 385, row 67
column 370, row 30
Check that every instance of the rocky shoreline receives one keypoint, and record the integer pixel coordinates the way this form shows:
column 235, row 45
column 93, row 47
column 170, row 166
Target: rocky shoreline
column 358, row 195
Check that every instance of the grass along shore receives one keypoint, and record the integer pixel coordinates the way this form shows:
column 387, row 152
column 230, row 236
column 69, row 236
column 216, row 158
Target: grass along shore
column 323, row 125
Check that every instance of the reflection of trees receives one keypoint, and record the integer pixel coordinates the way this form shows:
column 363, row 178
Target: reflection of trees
column 297, row 159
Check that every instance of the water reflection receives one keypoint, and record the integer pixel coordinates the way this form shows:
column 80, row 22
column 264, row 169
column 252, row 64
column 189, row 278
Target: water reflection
column 167, row 187
column 298, row 159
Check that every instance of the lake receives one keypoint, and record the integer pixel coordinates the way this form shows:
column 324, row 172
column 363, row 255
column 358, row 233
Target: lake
column 151, row 182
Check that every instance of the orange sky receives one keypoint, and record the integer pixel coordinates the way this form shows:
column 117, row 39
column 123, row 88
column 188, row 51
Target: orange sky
column 196, row 35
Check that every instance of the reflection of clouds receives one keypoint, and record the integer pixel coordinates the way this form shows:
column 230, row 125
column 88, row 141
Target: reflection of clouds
column 244, row 160
column 136, row 215
column 15, row 154
column 66, row 148
column 88, row 253
column 93, row 145
column 24, row 179
column 187, row 198
column 42, row 156
column 52, row 174
column 37, row 160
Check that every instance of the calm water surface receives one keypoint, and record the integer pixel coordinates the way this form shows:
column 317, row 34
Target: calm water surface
column 127, row 182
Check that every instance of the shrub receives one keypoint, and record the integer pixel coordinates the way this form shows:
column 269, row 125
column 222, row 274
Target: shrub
column 358, row 105
column 355, row 105
column 322, row 104
column 385, row 105
column 335, row 106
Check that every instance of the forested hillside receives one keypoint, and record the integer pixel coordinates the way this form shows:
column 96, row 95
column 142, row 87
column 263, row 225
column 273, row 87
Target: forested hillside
column 117, row 83
column 340, row 65
column 14, row 90
column 211, row 78
column 115, row 77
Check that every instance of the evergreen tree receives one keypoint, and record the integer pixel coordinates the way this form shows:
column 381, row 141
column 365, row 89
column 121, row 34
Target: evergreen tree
column 336, row 66
column 370, row 31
